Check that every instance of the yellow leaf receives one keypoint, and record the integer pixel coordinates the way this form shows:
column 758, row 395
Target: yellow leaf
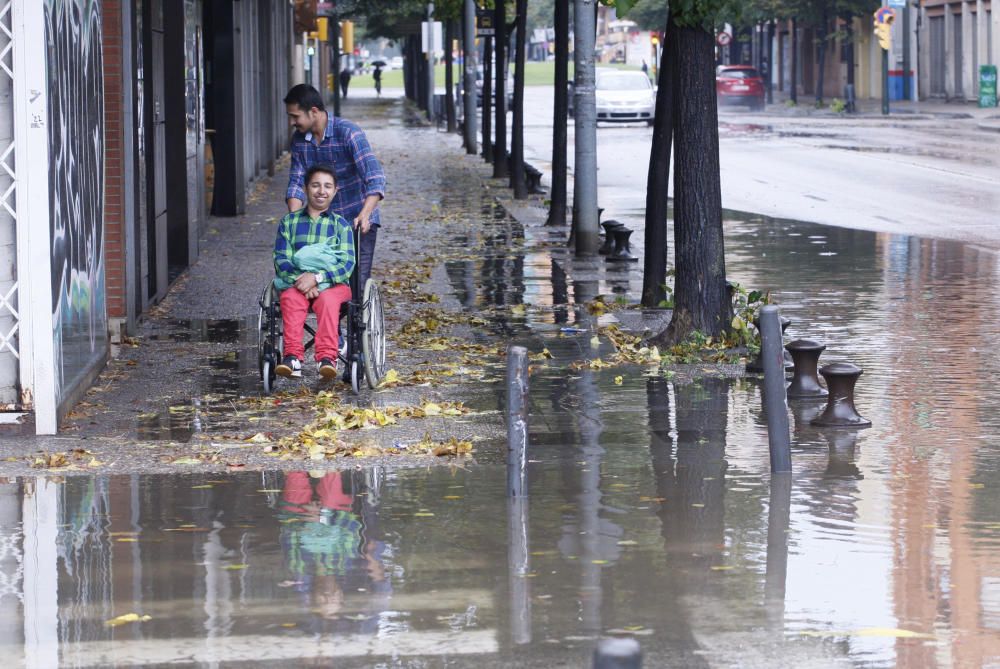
column 127, row 618
column 452, row 497
column 235, row 567
column 738, row 323
column 259, row 438
column 431, row 409
column 127, row 540
column 519, row 309
column 423, row 514
column 595, row 341
column 618, row 380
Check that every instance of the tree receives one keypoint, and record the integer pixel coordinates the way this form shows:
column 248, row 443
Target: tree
column 557, row 210
column 687, row 116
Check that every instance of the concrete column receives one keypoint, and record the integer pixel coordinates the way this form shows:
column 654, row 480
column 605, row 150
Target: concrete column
column 31, row 138
column 924, row 55
column 950, row 75
column 982, row 41
column 994, row 58
column 968, row 83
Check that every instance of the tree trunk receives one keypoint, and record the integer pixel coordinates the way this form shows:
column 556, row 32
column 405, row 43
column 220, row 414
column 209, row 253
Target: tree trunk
column 769, row 79
column 654, row 270
column 821, row 62
column 795, row 61
column 469, row 75
column 517, row 141
column 500, row 163
column 487, row 100
column 449, row 74
column 701, row 301
column 557, row 210
column 585, row 224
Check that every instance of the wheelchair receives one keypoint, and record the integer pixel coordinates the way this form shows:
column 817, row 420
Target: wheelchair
column 362, row 325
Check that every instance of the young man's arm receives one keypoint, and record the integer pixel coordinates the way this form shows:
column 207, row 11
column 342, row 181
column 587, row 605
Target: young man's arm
column 371, row 172
column 295, row 196
column 284, row 250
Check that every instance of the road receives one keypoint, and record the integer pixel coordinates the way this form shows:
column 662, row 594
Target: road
column 926, row 176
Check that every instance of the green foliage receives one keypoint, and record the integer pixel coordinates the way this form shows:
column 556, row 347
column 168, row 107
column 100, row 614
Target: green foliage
column 837, row 106
column 746, row 308
column 705, row 14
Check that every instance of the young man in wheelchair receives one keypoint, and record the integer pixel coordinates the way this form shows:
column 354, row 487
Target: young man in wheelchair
column 314, row 256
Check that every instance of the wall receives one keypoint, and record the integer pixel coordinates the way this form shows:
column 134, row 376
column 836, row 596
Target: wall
column 73, row 39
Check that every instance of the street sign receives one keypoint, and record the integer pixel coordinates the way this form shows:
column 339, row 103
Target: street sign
column 484, row 23
column 897, row 4
column 723, row 39
column 326, row 8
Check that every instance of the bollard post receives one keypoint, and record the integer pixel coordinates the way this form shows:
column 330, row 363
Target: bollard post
column 618, row 653
column 517, row 419
column 775, row 401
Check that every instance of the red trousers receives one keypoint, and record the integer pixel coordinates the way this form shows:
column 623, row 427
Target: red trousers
column 295, row 308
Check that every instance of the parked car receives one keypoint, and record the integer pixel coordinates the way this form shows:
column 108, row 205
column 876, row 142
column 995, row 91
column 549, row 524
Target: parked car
column 509, row 88
column 739, row 85
column 624, row 96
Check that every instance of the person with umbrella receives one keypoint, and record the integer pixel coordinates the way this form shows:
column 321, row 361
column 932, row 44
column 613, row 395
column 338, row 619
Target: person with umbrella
column 377, row 76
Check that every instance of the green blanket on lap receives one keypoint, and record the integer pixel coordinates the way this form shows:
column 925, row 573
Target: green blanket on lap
column 313, row 258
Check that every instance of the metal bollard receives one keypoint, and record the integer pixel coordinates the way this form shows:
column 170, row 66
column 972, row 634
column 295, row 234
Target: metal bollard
column 623, row 248
column 609, row 239
column 805, row 382
column 517, row 419
column 775, row 401
column 756, row 366
column 840, row 412
column 618, row 653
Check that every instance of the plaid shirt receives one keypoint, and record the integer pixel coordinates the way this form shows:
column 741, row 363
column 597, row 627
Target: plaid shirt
column 346, row 148
column 297, row 230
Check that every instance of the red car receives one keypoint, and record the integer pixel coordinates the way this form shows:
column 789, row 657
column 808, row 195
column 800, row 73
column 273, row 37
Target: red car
column 739, row 85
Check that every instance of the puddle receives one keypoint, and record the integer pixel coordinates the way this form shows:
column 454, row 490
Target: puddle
column 219, row 331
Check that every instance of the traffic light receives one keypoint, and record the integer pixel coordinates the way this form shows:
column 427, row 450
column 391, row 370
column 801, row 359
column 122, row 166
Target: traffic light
column 884, row 17
column 347, row 36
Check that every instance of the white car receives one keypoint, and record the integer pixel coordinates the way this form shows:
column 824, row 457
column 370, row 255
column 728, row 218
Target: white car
column 624, row 96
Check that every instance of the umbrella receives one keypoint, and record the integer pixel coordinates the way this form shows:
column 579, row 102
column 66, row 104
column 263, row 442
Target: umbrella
column 378, row 63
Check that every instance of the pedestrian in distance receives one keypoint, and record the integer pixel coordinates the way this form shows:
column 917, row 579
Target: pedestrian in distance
column 345, row 81
column 377, row 76
column 645, row 68
column 313, row 259
column 321, row 138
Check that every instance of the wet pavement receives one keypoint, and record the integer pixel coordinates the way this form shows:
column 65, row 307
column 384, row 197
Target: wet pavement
column 650, row 513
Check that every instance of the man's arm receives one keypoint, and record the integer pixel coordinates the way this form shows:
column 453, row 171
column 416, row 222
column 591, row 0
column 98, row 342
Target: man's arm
column 371, row 172
column 295, row 196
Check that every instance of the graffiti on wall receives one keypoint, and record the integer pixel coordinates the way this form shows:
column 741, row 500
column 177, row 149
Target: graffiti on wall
column 76, row 187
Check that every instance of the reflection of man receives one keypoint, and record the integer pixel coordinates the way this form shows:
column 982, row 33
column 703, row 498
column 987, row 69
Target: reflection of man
column 325, row 541
column 320, row 138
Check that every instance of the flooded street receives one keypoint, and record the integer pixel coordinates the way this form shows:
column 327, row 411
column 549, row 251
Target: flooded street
column 651, row 511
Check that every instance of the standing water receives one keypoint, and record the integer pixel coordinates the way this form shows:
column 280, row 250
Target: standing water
column 651, row 511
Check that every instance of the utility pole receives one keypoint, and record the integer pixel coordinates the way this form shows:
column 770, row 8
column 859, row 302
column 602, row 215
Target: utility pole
column 430, row 61
column 469, row 83
column 585, row 224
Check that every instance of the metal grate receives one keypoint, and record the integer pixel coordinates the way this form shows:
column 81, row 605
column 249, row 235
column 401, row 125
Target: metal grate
column 8, row 202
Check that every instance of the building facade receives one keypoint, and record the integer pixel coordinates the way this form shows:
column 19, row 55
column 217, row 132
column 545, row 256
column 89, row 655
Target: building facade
column 124, row 124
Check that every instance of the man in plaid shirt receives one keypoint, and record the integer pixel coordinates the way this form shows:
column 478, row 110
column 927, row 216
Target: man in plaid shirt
column 320, row 138
column 313, row 260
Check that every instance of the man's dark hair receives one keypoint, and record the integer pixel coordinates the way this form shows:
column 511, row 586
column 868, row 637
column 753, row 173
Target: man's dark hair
column 325, row 169
column 305, row 96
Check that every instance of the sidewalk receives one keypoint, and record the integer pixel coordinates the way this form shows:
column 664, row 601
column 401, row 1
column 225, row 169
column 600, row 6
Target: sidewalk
column 461, row 278
column 987, row 119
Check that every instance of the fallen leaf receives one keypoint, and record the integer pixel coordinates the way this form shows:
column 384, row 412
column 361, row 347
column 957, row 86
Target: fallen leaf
column 127, row 618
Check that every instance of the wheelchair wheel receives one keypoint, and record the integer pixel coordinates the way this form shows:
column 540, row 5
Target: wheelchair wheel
column 373, row 335
column 269, row 338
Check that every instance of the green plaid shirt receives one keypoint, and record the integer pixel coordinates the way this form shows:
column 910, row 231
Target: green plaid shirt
column 297, row 230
